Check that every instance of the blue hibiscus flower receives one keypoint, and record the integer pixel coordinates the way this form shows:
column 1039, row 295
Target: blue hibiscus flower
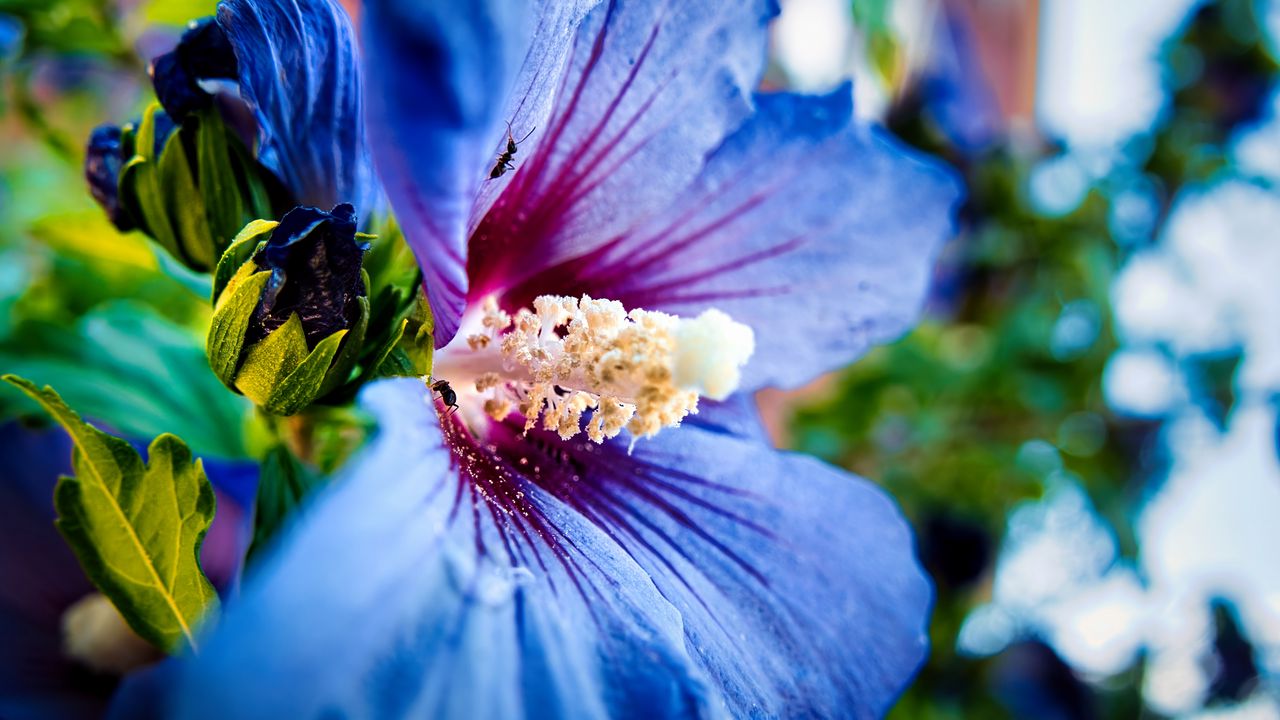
column 664, row 241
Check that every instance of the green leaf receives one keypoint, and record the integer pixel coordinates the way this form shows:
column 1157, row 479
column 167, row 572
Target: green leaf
column 283, row 482
column 303, row 385
column 136, row 529
column 280, row 375
column 239, row 252
column 226, row 208
column 125, row 365
column 380, row 357
column 340, row 371
column 271, row 360
column 231, row 319
column 185, row 204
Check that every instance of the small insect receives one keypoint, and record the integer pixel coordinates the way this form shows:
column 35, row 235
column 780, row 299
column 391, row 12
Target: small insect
column 504, row 160
column 447, row 394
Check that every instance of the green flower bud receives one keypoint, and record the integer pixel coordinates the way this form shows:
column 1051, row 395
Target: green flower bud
column 190, row 187
column 291, row 308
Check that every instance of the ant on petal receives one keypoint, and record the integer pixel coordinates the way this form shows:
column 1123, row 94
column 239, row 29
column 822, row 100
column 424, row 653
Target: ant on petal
column 504, row 160
column 447, row 394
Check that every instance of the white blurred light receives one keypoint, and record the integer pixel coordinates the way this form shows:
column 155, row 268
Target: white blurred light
column 1211, row 284
column 1143, row 383
column 1100, row 82
column 1213, row 532
column 1255, row 150
column 1100, row 629
column 1058, row 185
column 1259, row 706
column 813, row 40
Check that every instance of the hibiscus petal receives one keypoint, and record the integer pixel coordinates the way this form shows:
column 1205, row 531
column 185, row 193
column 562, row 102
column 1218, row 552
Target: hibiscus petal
column 437, row 76
column 817, row 233
column 650, row 89
column 300, row 74
column 519, row 589
column 405, row 592
column 798, row 584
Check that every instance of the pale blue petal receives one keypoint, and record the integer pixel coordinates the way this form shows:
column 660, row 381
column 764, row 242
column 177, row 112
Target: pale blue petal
column 405, row 592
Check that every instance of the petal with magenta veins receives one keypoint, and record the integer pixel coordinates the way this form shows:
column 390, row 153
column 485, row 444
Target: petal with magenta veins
column 798, row 585
column 300, row 74
column 408, row 590
column 651, row 88
column 438, row 75
column 817, row 233
column 525, row 574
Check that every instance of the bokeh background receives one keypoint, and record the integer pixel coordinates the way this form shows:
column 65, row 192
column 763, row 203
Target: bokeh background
column 1083, row 427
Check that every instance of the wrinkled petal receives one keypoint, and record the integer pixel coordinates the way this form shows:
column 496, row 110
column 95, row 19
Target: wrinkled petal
column 203, row 54
column 300, row 74
column 817, row 233
column 314, row 259
column 406, row 592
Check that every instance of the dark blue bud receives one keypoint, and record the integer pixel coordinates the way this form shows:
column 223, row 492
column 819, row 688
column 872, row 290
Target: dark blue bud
column 206, row 52
column 105, row 156
column 102, row 162
column 315, row 260
column 203, row 54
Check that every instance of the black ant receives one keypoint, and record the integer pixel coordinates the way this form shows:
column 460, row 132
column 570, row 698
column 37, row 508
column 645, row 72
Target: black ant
column 447, row 394
column 504, row 160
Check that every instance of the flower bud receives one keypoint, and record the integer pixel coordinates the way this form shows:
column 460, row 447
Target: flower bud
column 182, row 78
column 190, row 187
column 102, row 162
column 291, row 308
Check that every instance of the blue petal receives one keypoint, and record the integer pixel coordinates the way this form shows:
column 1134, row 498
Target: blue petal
column 203, row 53
column 798, row 584
column 404, row 592
column 517, row 576
column 651, row 88
column 143, row 695
column 103, row 159
column 300, row 74
column 956, row 87
column 618, row 118
column 438, row 77
column 819, row 234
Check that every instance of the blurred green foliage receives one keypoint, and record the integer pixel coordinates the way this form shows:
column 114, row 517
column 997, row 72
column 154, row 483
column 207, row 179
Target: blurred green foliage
column 136, row 367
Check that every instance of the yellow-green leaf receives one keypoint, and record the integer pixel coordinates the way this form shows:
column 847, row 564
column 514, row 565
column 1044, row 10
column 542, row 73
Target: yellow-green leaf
column 136, row 529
